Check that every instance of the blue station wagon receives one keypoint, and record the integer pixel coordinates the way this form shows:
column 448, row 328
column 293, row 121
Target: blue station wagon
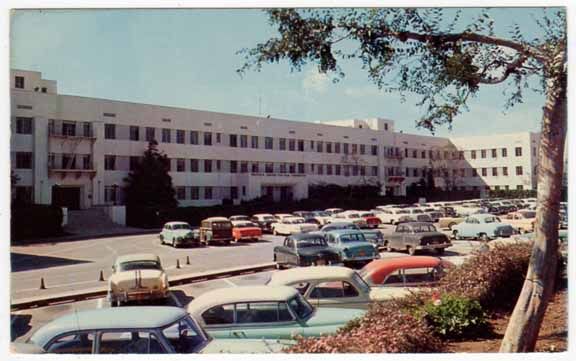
column 352, row 246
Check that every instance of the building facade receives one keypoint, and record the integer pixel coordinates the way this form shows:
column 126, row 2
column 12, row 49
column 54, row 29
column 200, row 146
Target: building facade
column 75, row 151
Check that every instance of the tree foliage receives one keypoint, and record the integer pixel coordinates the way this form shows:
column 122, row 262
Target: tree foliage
column 149, row 184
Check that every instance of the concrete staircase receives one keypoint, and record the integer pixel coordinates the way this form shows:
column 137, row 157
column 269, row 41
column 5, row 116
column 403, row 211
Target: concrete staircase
column 89, row 221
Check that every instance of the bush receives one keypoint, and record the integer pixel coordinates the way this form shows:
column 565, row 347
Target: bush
column 33, row 221
column 382, row 329
column 454, row 317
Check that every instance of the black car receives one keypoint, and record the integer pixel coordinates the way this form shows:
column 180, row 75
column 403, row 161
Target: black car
column 264, row 221
column 448, row 211
column 305, row 249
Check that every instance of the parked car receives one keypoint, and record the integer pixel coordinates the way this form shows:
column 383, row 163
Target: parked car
column 414, row 236
column 482, row 226
column 164, row 330
column 305, row 249
column 238, row 218
column 448, row 211
column 281, row 216
column 350, row 216
column 216, row 230
column 392, row 215
column 449, row 222
column 308, row 216
column 322, row 217
column 338, row 225
column 352, row 246
column 245, row 231
column 375, row 237
column 371, row 220
column 333, row 211
column 405, row 271
column 179, row 234
column 291, row 225
column 137, row 277
column 522, row 221
column 265, row 312
column 264, row 221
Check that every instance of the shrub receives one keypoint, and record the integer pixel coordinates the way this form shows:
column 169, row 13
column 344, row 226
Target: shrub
column 32, row 221
column 454, row 317
column 382, row 329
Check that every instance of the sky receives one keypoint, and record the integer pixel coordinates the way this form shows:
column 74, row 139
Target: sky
column 188, row 58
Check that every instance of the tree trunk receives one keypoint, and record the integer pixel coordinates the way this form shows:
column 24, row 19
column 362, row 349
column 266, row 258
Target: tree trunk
column 524, row 325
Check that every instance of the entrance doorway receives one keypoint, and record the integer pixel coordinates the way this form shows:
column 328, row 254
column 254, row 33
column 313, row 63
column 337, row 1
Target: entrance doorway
column 68, row 197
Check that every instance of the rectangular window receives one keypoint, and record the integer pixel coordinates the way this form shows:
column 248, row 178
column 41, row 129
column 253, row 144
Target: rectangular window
column 328, row 147
column 180, row 135
column 519, row 187
column 234, row 192
column 268, row 143
column 519, row 170
column 180, row 193
column 374, row 171
column 312, row 145
column 319, row 147
column 109, row 162
column 218, row 165
column 337, row 169
column 354, row 148
column 347, row 171
column 218, row 138
column 504, row 152
column 110, row 131
column 505, row 171
column 134, row 161
column 233, row 140
column 166, row 135
column 301, row 169
column 194, row 137
column 355, row 169
column 110, row 194
column 484, row 172
column 494, row 172
column 87, row 129
column 494, row 153
column 233, row 166
column 134, row 133
column 19, row 82
column 518, row 151
column 345, row 148
column 320, row 169
column 86, row 161
column 168, row 164
column 254, row 142
column 362, row 149
column 473, row 154
column 423, row 154
column 363, row 170
column 150, row 134
column 23, row 125
column 283, row 168
column 337, row 148
column 300, row 145
column 180, row 165
column 23, row 160
column 483, row 153
column 282, row 144
column 291, row 145
column 194, row 165
column 292, row 168
column 69, row 129
column 194, row 192
column 255, row 167
column 207, row 138
column 243, row 167
column 207, row 192
column 207, row 165
column 414, row 153
column 269, row 168
column 374, row 150
column 329, row 169
column 244, row 141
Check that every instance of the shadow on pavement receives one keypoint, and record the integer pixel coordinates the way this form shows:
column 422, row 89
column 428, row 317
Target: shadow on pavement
column 25, row 262
column 20, row 325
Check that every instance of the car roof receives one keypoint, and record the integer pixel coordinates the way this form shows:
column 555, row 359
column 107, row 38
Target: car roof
column 110, row 319
column 308, row 235
column 227, row 295
column 482, row 215
column 416, row 223
column 244, row 221
column 173, row 223
column 344, row 231
column 379, row 269
column 302, row 274
column 137, row 257
column 216, row 219
column 263, row 215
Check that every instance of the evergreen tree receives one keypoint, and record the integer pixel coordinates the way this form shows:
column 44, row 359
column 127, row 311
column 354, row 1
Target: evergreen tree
column 149, row 184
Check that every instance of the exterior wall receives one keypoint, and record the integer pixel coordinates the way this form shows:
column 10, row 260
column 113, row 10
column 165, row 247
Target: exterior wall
column 50, row 146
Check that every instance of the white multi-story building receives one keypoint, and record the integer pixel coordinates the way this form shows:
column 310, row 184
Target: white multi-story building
column 76, row 151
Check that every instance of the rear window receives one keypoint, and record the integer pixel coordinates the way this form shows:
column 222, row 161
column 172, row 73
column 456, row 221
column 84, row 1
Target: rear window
column 352, row 237
column 129, row 266
column 221, row 225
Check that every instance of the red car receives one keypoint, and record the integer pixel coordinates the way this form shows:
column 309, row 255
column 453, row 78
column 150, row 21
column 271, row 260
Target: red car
column 245, row 230
column 371, row 220
column 405, row 270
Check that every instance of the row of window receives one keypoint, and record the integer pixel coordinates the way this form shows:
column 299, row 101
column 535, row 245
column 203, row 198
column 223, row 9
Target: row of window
column 494, row 153
column 462, row 172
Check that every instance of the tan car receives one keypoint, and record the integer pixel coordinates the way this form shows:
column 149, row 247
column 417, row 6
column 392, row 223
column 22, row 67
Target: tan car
column 448, row 222
column 523, row 221
column 137, row 277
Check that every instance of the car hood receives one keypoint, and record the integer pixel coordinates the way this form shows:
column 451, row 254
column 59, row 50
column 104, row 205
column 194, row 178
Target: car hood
column 148, row 275
column 245, row 346
column 325, row 316
column 352, row 245
column 310, row 251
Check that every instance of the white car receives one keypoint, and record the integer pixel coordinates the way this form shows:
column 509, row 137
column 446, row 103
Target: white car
column 467, row 209
column 392, row 215
column 281, row 216
column 350, row 216
column 322, row 217
column 333, row 211
column 292, row 225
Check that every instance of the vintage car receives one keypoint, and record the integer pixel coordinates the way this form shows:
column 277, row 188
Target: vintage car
column 414, row 236
column 392, row 215
column 245, row 231
column 264, row 221
column 522, row 221
column 333, row 211
column 338, row 225
column 352, row 246
column 265, row 312
column 375, row 237
column 305, row 249
column 321, row 217
column 137, row 277
column 371, row 220
column 350, row 216
column 216, row 230
column 281, row 216
column 404, row 271
column 238, row 218
column 482, row 226
column 308, row 216
column 179, row 234
column 449, row 222
column 466, row 209
column 291, row 225
column 164, row 330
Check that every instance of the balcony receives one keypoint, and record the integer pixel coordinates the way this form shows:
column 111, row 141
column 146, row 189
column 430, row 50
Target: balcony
column 70, row 130
column 63, row 167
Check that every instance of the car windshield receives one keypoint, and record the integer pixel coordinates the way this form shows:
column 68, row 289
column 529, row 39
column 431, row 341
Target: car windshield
column 294, row 220
column 301, row 307
column 367, row 214
column 402, row 211
column 357, row 278
column 417, row 211
column 311, row 242
column 181, row 226
column 321, row 214
column 244, row 225
column 373, row 235
column 185, row 336
column 490, row 220
column 352, row 237
column 423, row 228
column 268, row 218
column 134, row 265
column 221, row 225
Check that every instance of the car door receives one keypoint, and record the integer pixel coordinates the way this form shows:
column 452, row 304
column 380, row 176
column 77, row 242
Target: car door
column 396, row 237
column 340, row 294
column 280, row 251
column 264, row 320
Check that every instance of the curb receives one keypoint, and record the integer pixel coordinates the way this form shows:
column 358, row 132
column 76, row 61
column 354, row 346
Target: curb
column 98, row 292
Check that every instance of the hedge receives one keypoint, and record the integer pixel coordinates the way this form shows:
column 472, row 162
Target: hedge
column 34, row 221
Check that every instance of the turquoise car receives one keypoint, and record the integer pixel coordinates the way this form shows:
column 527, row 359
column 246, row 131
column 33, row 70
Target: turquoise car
column 482, row 226
column 352, row 246
column 265, row 312
column 138, row 330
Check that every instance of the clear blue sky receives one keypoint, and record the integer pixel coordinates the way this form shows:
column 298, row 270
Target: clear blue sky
column 187, row 58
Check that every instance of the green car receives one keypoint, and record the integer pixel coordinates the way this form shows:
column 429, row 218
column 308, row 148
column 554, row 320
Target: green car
column 265, row 312
column 179, row 234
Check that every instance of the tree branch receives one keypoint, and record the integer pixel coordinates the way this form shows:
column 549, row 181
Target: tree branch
column 510, row 68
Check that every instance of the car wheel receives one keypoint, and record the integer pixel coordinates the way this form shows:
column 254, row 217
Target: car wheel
column 455, row 235
column 484, row 237
column 274, row 231
column 451, row 225
column 161, row 239
column 279, row 265
column 173, row 243
column 411, row 250
column 387, row 247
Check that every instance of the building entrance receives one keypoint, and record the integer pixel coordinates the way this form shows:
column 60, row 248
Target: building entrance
column 68, row 197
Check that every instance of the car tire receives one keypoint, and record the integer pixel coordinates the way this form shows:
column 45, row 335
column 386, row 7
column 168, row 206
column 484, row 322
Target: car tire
column 387, row 247
column 279, row 266
column 173, row 243
column 484, row 237
column 455, row 235
column 411, row 250
column 161, row 239
column 451, row 225
column 274, row 232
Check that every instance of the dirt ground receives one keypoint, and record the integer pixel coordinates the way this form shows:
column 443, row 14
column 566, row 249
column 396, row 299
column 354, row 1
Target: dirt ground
column 553, row 333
